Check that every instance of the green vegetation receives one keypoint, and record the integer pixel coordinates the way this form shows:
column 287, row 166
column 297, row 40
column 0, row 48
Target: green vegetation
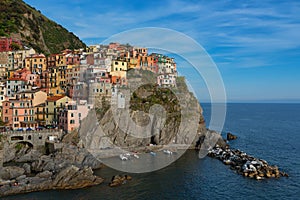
column 34, row 29
column 148, row 95
column 19, row 146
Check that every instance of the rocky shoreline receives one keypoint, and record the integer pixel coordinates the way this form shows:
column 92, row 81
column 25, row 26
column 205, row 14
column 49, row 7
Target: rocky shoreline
column 70, row 167
column 244, row 164
column 71, row 177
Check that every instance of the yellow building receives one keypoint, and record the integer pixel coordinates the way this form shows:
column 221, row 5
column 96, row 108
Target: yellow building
column 37, row 96
column 56, row 60
column 53, row 105
column 36, row 63
column 40, row 114
column 119, row 65
column 132, row 63
column 56, row 78
column 119, row 68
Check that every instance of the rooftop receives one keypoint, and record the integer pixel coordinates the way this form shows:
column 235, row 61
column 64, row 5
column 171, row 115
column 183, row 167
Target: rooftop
column 55, row 98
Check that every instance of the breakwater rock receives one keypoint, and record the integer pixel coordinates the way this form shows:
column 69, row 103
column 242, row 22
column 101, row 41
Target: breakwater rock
column 246, row 165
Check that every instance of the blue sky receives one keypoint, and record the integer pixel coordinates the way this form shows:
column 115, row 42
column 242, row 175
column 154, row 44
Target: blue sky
column 255, row 44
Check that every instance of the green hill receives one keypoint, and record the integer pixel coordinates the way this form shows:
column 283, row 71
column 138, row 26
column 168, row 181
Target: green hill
column 19, row 20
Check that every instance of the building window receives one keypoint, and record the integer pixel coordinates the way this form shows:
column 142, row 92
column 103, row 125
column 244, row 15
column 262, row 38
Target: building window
column 72, row 121
column 72, row 115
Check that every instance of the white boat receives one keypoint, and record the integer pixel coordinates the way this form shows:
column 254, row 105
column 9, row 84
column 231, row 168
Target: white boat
column 153, row 153
column 123, row 157
column 127, row 154
column 136, row 156
column 167, row 151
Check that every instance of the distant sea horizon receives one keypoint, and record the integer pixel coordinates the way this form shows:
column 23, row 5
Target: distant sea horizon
column 255, row 101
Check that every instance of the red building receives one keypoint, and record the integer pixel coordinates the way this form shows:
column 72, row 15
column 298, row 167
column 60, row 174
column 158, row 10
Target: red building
column 6, row 44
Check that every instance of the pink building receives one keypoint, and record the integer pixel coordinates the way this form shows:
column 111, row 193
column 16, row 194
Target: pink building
column 34, row 80
column 7, row 113
column 73, row 59
column 21, row 74
column 71, row 116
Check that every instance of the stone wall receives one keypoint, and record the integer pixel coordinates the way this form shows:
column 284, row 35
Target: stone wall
column 36, row 138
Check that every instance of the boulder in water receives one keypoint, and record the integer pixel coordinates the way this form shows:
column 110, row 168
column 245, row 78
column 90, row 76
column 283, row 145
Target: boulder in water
column 119, row 180
column 230, row 136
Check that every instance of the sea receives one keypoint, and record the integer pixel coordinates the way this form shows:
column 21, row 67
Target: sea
column 267, row 131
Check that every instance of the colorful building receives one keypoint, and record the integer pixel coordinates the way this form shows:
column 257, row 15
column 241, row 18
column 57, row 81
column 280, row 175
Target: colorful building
column 56, row 60
column 166, row 80
column 6, row 44
column 36, row 63
column 19, row 113
column 70, row 117
column 15, row 85
column 53, row 105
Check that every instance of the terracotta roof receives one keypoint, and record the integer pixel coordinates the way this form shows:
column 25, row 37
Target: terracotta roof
column 55, row 98
column 16, row 79
column 22, row 70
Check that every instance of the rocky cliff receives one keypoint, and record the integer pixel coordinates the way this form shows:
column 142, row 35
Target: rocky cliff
column 21, row 21
column 152, row 116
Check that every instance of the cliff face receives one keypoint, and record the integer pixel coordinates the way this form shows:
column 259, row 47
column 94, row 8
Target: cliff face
column 152, row 115
column 21, row 21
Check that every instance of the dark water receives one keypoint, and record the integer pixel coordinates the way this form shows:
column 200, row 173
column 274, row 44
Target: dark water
column 267, row 131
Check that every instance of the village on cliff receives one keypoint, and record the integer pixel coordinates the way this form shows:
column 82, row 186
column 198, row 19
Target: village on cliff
column 58, row 90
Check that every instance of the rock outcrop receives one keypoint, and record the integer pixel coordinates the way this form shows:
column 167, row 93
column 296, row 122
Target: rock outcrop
column 71, row 177
column 11, row 172
column 230, row 136
column 70, row 167
column 119, row 180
